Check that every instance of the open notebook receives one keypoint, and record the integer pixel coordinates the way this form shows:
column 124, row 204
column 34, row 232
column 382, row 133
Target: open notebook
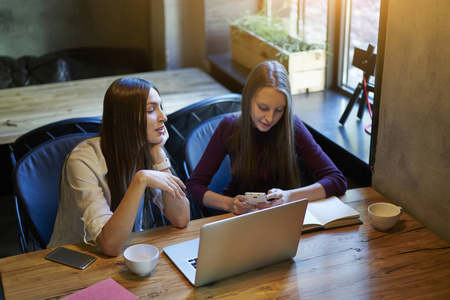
column 329, row 213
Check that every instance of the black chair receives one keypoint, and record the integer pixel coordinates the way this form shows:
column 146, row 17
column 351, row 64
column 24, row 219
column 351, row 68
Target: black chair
column 30, row 140
column 194, row 147
column 183, row 121
column 37, row 158
column 36, row 187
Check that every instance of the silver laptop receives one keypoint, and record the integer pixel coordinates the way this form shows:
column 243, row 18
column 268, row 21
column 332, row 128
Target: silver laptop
column 240, row 244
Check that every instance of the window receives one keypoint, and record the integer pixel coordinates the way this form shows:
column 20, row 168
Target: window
column 309, row 19
column 305, row 18
column 361, row 19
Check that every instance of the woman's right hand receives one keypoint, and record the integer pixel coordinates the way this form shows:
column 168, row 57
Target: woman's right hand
column 240, row 206
column 163, row 181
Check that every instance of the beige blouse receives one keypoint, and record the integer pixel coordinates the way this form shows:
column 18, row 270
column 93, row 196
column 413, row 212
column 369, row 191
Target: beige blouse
column 85, row 198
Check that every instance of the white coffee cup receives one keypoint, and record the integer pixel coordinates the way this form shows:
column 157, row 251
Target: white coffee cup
column 141, row 259
column 384, row 216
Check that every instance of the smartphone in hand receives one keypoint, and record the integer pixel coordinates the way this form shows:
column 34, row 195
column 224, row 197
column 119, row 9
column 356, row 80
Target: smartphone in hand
column 255, row 198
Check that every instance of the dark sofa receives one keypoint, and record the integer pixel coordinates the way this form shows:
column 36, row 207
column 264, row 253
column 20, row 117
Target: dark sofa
column 71, row 64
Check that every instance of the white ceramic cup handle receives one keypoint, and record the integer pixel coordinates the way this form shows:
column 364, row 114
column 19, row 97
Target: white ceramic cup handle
column 401, row 210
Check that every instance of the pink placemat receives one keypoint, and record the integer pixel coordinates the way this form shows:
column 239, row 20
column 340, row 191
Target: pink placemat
column 107, row 289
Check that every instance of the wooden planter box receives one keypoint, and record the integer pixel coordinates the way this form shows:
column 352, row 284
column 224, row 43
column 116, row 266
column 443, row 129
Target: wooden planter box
column 306, row 69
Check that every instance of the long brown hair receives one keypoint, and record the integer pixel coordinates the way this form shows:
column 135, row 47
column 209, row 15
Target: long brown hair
column 124, row 133
column 279, row 153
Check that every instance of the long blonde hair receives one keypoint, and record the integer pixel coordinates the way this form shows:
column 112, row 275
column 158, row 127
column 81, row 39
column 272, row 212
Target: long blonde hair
column 279, row 154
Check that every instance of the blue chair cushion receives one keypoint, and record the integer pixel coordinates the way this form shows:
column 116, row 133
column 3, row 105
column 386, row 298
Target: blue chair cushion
column 36, row 183
column 195, row 145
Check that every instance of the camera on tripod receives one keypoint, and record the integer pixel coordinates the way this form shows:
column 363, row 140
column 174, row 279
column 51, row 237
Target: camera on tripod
column 365, row 61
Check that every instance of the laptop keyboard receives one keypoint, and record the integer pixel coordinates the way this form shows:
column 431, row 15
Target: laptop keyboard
column 193, row 262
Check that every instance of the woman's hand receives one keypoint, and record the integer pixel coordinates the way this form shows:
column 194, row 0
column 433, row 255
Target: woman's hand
column 239, row 205
column 275, row 197
column 163, row 181
column 156, row 150
column 165, row 137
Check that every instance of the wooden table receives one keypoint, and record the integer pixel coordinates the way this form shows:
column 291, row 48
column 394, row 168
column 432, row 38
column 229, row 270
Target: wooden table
column 26, row 108
column 355, row 262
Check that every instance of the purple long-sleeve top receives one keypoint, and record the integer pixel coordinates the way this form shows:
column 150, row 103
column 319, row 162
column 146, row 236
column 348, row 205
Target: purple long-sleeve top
column 327, row 174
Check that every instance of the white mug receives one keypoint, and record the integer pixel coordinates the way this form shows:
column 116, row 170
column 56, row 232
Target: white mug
column 141, row 259
column 384, row 216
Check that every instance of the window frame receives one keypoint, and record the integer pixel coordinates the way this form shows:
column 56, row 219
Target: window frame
column 338, row 37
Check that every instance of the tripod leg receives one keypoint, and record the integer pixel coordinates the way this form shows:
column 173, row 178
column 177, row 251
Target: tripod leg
column 350, row 104
column 362, row 104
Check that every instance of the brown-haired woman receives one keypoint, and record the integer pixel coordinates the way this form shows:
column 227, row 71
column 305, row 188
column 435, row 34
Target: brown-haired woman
column 120, row 181
column 265, row 143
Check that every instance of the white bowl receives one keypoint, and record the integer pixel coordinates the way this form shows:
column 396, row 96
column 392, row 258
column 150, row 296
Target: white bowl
column 384, row 216
column 141, row 259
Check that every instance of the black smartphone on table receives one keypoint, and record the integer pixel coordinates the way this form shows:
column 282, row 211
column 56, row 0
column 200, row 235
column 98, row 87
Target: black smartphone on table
column 71, row 258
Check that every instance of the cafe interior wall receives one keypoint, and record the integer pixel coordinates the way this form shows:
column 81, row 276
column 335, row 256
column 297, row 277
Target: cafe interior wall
column 41, row 26
column 193, row 29
column 170, row 31
column 412, row 160
column 174, row 33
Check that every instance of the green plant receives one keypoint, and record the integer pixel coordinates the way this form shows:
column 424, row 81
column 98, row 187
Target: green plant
column 273, row 30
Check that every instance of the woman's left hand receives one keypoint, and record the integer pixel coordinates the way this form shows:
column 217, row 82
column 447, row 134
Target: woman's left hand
column 156, row 150
column 165, row 137
column 275, row 197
